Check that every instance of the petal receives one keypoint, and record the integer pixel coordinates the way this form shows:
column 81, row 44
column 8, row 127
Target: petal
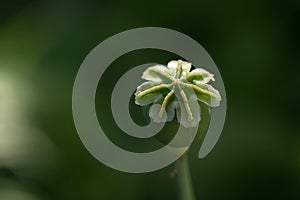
column 167, row 108
column 156, row 115
column 146, row 85
column 207, row 94
column 158, row 73
column 148, row 99
column 171, row 108
column 199, row 74
column 188, row 111
column 150, row 92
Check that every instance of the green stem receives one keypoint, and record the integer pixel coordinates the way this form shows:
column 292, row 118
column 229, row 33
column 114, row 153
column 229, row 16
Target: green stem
column 184, row 179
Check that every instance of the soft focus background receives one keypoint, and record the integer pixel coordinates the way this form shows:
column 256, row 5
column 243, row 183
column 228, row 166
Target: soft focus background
column 254, row 44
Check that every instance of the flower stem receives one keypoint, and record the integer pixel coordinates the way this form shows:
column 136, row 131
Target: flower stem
column 184, row 180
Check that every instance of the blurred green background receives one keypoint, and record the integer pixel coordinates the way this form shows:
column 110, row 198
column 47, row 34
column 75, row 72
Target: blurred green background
column 254, row 44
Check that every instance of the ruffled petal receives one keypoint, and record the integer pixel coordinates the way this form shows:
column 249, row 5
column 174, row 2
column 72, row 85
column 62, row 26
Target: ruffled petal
column 149, row 92
column 157, row 113
column 207, row 94
column 158, row 73
column 171, row 110
column 200, row 75
column 188, row 111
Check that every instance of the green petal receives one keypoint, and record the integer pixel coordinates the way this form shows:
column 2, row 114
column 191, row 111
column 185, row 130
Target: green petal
column 158, row 73
column 146, row 85
column 188, row 111
column 156, row 115
column 199, row 74
column 150, row 92
column 171, row 109
column 207, row 94
column 164, row 109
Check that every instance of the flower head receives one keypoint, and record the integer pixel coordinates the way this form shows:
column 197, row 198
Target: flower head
column 175, row 89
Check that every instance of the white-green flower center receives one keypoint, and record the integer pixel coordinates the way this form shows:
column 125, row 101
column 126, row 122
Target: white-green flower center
column 175, row 87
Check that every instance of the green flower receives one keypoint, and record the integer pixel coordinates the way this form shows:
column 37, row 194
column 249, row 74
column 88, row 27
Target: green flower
column 175, row 89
